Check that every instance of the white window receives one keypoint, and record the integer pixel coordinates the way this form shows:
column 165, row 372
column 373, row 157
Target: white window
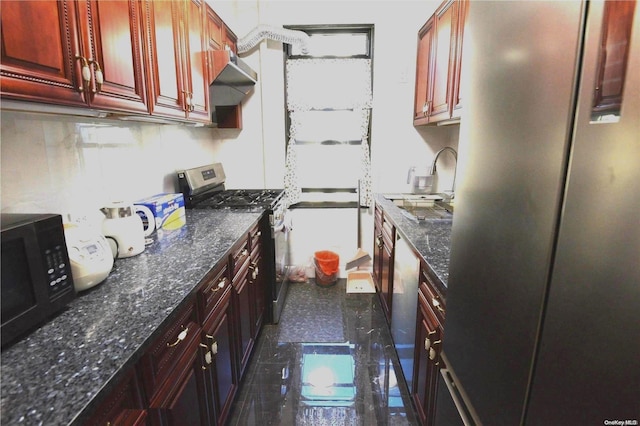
column 328, row 92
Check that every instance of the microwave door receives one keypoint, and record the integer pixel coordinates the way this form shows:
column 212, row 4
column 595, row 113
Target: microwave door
column 20, row 295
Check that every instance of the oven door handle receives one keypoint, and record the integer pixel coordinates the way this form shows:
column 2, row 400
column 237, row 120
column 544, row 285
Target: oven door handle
column 284, row 225
column 281, row 227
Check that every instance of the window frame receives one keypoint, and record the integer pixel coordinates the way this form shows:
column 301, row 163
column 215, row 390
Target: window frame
column 367, row 29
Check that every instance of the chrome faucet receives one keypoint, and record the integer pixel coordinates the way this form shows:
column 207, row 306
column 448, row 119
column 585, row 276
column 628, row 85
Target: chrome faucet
column 433, row 170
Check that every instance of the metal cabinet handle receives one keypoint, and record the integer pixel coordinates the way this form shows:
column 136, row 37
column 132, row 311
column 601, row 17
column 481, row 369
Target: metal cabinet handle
column 254, row 270
column 98, row 75
column 86, row 72
column 214, row 344
column 220, row 285
column 436, row 303
column 187, row 100
column 427, row 343
column 245, row 252
column 181, row 337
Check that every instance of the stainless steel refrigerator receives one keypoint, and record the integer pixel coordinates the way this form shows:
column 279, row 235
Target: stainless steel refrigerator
column 543, row 303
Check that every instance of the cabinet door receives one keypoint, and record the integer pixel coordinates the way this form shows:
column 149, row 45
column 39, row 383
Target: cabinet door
column 243, row 320
column 214, row 37
column 168, row 97
column 219, row 351
column 257, row 281
column 615, row 44
column 183, row 398
column 386, row 278
column 458, row 89
column 446, row 20
column 124, row 402
column 195, row 61
column 40, row 42
column 423, row 72
column 161, row 357
column 425, row 374
column 112, row 43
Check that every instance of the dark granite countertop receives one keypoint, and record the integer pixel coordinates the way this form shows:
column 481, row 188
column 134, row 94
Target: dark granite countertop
column 52, row 375
column 430, row 238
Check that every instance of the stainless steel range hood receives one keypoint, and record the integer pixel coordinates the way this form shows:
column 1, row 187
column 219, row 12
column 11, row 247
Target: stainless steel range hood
column 233, row 79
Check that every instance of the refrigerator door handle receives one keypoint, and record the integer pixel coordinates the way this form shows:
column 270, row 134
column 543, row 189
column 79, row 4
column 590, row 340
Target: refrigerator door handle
column 456, row 397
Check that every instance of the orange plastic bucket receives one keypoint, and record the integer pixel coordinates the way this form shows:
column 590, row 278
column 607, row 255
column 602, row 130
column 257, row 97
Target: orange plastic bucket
column 327, row 265
column 327, row 261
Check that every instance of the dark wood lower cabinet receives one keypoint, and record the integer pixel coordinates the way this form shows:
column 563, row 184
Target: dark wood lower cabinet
column 189, row 375
column 124, row 406
column 427, row 359
column 243, row 318
column 384, row 238
column 220, row 370
column 183, row 398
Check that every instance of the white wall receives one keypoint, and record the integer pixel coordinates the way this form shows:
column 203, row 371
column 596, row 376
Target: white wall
column 47, row 166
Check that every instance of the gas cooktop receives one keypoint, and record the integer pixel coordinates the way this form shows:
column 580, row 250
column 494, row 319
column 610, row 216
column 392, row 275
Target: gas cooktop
column 238, row 198
column 203, row 187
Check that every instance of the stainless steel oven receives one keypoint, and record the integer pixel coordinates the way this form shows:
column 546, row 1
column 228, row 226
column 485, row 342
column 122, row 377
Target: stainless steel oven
column 281, row 226
column 203, row 188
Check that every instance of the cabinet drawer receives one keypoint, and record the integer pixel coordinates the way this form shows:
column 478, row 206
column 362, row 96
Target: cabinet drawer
column 160, row 359
column 378, row 215
column 388, row 229
column 239, row 255
column 433, row 341
column 212, row 288
column 125, row 401
column 255, row 236
column 435, row 302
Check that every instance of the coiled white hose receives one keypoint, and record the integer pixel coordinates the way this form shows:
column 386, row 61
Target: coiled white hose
column 282, row 35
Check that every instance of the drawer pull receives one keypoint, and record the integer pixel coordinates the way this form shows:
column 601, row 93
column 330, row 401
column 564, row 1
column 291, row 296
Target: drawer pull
column 427, row 343
column 98, row 75
column 254, row 270
column 432, row 354
column 85, row 71
column 436, row 303
column 214, row 344
column 220, row 285
column 245, row 252
column 208, row 359
column 181, row 337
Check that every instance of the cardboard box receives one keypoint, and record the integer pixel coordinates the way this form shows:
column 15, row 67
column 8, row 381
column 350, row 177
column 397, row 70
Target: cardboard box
column 167, row 209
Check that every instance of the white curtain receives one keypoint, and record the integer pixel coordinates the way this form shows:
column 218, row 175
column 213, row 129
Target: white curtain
column 319, row 84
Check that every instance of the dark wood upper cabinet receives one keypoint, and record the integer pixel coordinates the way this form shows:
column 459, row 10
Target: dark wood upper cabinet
column 177, row 58
column 122, row 56
column 446, row 20
column 615, row 42
column 438, row 95
column 195, row 60
column 458, row 89
column 112, row 44
column 423, row 72
column 41, row 65
column 84, row 53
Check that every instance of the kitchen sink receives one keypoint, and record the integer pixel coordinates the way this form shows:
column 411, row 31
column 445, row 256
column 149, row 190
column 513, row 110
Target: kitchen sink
column 427, row 207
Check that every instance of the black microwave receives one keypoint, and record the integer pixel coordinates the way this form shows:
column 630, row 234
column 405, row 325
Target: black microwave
column 36, row 273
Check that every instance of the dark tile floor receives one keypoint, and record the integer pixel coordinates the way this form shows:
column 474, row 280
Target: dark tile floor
column 330, row 361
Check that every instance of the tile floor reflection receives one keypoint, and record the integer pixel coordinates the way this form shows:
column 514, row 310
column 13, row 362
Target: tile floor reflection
column 345, row 376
